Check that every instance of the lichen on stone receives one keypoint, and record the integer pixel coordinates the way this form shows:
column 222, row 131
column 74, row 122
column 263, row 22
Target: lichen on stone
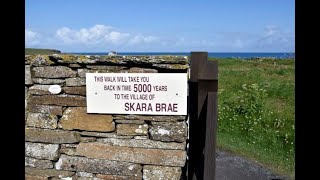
column 38, row 60
column 72, row 59
column 171, row 66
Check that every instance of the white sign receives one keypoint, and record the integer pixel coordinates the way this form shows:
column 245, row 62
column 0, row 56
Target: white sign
column 137, row 93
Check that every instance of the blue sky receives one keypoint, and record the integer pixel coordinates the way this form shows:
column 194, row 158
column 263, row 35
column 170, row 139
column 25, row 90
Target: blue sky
column 161, row 25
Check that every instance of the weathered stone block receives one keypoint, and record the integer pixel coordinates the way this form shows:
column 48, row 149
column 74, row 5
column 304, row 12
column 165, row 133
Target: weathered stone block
column 87, row 139
column 51, row 136
column 53, row 72
column 63, row 58
column 168, row 131
column 172, row 66
column 132, row 129
column 39, row 120
column 68, row 149
column 37, row 163
column 124, row 121
column 45, row 109
column 161, row 172
column 111, row 60
column 69, row 145
column 143, row 143
column 116, row 177
column 142, row 70
column 75, row 90
column 42, row 151
column 48, row 81
column 30, row 177
column 84, row 174
column 25, row 91
column 76, row 82
column 88, row 178
column 140, row 137
column 150, row 118
column 26, row 98
column 82, row 72
column 108, row 68
column 61, row 100
column 72, row 59
column 77, row 118
column 101, row 166
column 47, row 172
column 27, row 59
column 75, row 66
column 39, row 60
column 135, row 155
column 39, row 89
column 107, row 135
column 42, row 90
column 74, row 177
column 27, row 75
column 154, row 59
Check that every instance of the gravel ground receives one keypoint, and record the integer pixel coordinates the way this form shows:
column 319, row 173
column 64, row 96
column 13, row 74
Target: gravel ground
column 232, row 167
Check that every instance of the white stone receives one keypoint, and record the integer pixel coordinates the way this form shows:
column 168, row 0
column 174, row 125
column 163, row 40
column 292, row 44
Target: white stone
column 139, row 131
column 55, row 89
column 67, row 178
column 85, row 174
column 163, row 131
column 58, row 164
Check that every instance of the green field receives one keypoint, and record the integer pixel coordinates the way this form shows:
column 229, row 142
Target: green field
column 257, row 111
column 29, row 51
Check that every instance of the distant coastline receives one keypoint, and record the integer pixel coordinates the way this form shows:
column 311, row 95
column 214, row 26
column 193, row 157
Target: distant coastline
column 29, row 51
column 234, row 55
column 244, row 55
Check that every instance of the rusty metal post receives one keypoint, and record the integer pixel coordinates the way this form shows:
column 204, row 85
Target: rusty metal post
column 203, row 88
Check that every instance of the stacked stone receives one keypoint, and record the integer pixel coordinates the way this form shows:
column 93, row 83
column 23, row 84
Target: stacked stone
column 64, row 142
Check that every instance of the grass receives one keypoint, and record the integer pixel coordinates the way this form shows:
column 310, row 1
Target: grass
column 30, row 51
column 256, row 111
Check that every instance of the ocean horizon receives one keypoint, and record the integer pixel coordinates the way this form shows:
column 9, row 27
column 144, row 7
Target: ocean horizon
column 245, row 55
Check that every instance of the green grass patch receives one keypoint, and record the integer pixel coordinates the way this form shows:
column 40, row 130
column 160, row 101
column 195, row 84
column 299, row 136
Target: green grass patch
column 256, row 111
column 30, row 51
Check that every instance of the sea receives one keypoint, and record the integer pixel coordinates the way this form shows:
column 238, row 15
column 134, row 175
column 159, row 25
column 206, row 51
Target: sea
column 242, row 55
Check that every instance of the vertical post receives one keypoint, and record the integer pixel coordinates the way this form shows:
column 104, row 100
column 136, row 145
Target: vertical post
column 203, row 87
column 210, row 141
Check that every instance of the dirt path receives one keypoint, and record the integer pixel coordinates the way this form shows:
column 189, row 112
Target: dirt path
column 232, row 167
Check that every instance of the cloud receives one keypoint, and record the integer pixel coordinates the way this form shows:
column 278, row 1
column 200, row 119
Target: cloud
column 271, row 38
column 103, row 37
column 275, row 38
column 270, row 30
column 66, row 35
column 101, row 34
column 31, row 37
column 138, row 39
column 186, row 43
column 233, row 41
column 98, row 34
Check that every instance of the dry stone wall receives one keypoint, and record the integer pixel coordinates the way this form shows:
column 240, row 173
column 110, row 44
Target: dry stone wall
column 63, row 141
